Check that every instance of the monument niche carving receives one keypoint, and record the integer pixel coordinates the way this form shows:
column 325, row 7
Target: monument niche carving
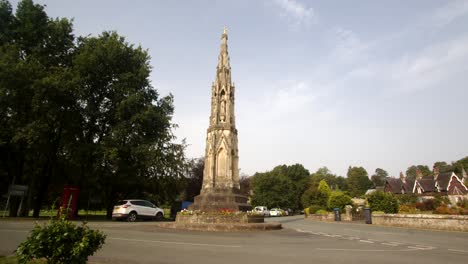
column 221, row 188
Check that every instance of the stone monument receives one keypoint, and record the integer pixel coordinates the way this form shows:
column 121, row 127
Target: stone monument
column 221, row 188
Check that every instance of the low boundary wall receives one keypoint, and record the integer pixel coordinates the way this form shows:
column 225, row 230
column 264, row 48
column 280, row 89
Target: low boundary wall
column 425, row 221
column 321, row 217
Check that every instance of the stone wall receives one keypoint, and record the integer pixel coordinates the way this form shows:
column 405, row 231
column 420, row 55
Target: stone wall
column 320, row 217
column 218, row 219
column 426, row 221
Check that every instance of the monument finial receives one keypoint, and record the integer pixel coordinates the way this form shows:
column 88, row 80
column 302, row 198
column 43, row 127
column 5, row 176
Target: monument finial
column 225, row 30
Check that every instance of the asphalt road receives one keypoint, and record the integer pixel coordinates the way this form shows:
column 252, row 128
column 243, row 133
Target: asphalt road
column 301, row 241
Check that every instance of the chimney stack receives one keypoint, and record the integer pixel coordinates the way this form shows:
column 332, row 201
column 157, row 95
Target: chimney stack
column 402, row 177
column 419, row 174
column 435, row 171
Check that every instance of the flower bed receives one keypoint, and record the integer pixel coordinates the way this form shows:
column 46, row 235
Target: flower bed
column 217, row 218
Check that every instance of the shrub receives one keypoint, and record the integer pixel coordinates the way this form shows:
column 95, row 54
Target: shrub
column 463, row 211
column 314, row 208
column 463, row 203
column 381, row 201
column 440, row 200
column 61, row 241
column 443, row 209
column 321, row 212
column 339, row 200
column 427, row 205
column 407, row 198
column 408, row 209
column 306, row 211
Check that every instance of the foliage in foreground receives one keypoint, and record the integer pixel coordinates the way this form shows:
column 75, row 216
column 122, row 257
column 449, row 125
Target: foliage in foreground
column 339, row 200
column 60, row 241
column 381, row 201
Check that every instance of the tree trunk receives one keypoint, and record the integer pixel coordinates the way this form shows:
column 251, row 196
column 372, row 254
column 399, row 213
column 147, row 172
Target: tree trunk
column 42, row 190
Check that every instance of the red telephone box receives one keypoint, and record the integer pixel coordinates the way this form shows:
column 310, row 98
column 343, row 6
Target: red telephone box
column 69, row 200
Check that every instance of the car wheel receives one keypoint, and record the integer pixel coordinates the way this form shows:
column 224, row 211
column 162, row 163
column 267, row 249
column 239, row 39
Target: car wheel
column 132, row 217
column 159, row 216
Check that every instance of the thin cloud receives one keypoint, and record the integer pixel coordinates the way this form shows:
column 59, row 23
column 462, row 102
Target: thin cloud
column 450, row 12
column 297, row 13
column 348, row 46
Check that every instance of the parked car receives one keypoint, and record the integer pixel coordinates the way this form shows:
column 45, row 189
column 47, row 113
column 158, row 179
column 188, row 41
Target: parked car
column 131, row 210
column 261, row 210
column 288, row 211
column 275, row 212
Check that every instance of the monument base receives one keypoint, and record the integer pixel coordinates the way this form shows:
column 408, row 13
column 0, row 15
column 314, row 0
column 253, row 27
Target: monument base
column 221, row 222
column 217, row 201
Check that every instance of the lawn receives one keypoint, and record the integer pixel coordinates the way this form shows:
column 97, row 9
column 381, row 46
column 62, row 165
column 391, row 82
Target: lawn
column 84, row 215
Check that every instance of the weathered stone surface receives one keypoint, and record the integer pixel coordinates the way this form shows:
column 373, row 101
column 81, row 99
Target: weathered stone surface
column 320, row 217
column 220, row 187
column 207, row 218
column 229, row 227
column 215, row 201
column 439, row 222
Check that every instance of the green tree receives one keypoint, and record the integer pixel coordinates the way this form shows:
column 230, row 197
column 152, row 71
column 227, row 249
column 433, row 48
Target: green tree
column 338, row 199
column 382, row 201
column 280, row 187
column 335, row 182
column 244, row 183
column 460, row 164
column 411, row 171
column 82, row 112
column 272, row 190
column 378, row 179
column 194, row 178
column 358, row 181
column 316, row 195
column 36, row 94
column 125, row 124
column 443, row 166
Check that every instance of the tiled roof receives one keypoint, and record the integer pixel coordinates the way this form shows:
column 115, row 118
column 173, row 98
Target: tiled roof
column 393, row 185
column 443, row 180
column 408, row 186
column 427, row 183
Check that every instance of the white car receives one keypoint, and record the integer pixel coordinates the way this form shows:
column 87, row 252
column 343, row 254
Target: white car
column 275, row 212
column 261, row 210
column 131, row 210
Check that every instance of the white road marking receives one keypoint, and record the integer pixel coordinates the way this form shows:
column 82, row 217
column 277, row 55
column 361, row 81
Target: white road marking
column 365, row 250
column 390, row 244
column 458, row 250
column 421, row 247
column 366, row 241
column 175, row 243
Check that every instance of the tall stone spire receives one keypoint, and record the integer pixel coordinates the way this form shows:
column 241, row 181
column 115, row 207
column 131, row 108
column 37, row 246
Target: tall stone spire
column 220, row 187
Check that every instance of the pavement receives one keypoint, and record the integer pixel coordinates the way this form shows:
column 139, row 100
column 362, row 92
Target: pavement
column 301, row 241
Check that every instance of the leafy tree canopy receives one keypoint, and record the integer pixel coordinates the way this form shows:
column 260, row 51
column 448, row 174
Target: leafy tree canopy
column 378, row 178
column 411, row 171
column 81, row 111
column 280, row 187
column 358, row 181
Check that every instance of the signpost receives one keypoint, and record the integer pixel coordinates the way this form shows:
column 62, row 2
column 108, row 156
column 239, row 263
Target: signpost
column 16, row 190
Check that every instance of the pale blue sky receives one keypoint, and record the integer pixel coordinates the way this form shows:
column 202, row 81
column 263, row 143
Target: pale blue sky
column 321, row 83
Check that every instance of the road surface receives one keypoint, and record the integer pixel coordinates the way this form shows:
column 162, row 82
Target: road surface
column 301, row 241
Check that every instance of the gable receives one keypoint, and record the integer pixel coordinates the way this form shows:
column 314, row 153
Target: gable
column 456, row 186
